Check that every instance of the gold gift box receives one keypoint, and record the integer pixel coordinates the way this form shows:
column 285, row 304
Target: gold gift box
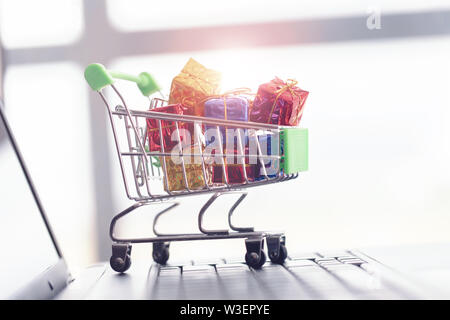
column 194, row 172
column 193, row 85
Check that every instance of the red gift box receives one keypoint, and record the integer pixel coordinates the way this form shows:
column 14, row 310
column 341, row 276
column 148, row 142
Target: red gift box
column 233, row 169
column 168, row 128
column 279, row 102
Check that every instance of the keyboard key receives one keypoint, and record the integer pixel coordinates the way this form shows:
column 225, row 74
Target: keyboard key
column 198, row 268
column 240, row 283
column 178, row 263
column 326, row 261
column 270, row 265
column 355, row 261
column 336, row 266
column 235, row 260
column 168, row 283
column 278, row 283
column 228, row 266
column 329, row 263
column 334, row 253
column 201, row 282
column 172, row 271
column 299, row 263
column 346, row 257
column 356, row 279
column 208, row 261
column 304, row 256
column 320, row 283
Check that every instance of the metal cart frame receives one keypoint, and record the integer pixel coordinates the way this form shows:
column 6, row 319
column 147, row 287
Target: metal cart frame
column 143, row 169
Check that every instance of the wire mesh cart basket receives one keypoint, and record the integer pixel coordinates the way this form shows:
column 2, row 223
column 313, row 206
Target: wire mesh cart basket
column 147, row 173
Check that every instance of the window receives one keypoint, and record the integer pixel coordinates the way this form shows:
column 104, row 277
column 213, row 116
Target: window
column 25, row 23
column 133, row 15
column 49, row 116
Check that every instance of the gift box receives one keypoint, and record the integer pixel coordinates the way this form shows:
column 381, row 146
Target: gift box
column 194, row 172
column 233, row 169
column 168, row 128
column 229, row 108
column 279, row 102
column 193, row 85
column 294, row 150
column 269, row 146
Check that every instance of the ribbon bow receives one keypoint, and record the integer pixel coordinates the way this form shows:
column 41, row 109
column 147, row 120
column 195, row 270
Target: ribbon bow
column 202, row 80
column 201, row 75
column 289, row 85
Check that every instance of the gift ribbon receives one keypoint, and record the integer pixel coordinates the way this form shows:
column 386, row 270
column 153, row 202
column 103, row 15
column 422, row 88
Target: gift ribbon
column 228, row 94
column 201, row 75
column 225, row 111
column 194, row 174
column 186, row 101
column 198, row 79
column 288, row 85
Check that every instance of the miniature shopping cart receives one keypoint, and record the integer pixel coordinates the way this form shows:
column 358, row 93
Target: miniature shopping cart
column 145, row 171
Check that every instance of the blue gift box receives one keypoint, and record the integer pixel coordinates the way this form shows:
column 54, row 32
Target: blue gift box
column 272, row 166
column 228, row 108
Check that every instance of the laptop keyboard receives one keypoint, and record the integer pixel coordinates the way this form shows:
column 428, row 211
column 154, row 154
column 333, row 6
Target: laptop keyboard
column 339, row 275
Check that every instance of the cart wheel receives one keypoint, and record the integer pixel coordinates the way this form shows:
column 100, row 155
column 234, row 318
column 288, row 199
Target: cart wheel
column 160, row 252
column 254, row 260
column 118, row 264
column 282, row 255
column 121, row 257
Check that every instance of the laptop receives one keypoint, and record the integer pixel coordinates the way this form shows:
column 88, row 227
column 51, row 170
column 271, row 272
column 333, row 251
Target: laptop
column 33, row 266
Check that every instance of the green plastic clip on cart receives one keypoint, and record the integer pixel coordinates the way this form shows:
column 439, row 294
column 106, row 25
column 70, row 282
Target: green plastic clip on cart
column 98, row 77
column 145, row 170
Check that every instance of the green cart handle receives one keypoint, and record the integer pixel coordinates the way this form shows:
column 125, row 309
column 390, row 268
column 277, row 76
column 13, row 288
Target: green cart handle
column 98, row 77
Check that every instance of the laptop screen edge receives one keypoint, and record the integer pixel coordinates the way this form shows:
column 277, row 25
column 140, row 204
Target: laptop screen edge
column 55, row 278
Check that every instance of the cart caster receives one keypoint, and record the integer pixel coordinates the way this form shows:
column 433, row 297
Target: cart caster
column 160, row 252
column 254, row 260
column 282, row 255
column 276, row 247
column 255, row 256
column 120, row 260
column 119, row 264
